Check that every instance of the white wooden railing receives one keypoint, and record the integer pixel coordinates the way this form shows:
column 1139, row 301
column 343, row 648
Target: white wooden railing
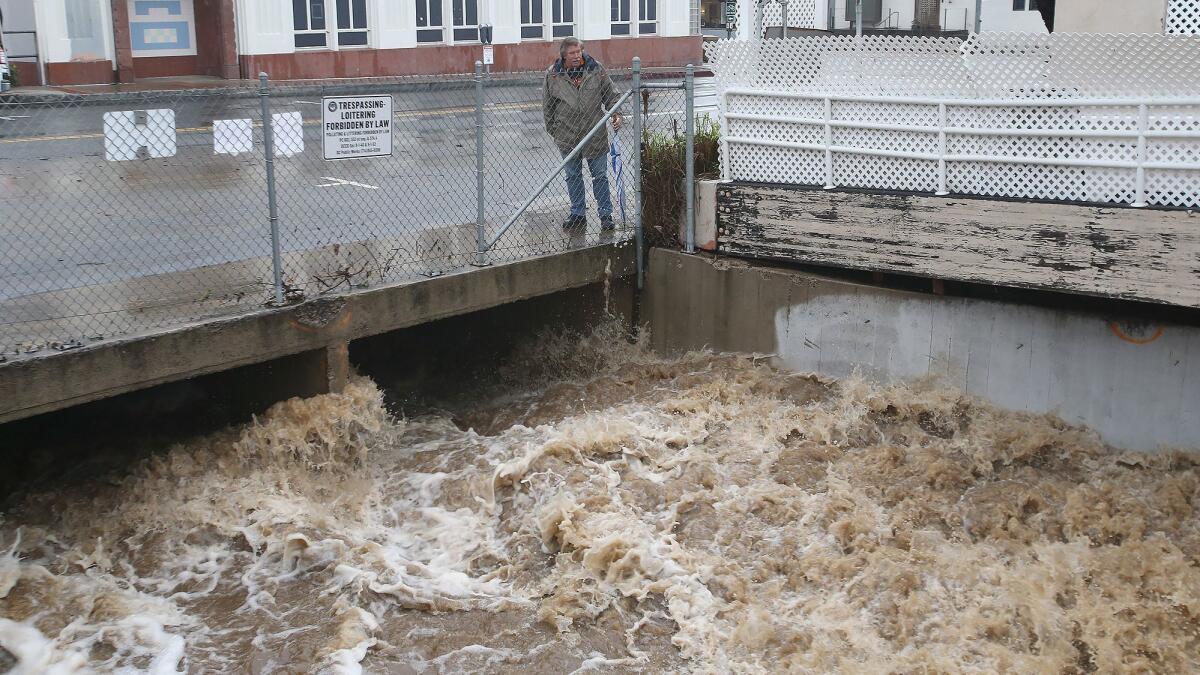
column 1084, row 118
column 1136, row 126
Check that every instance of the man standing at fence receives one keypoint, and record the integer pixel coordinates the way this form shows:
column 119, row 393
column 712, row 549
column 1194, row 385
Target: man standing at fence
column 577, row 94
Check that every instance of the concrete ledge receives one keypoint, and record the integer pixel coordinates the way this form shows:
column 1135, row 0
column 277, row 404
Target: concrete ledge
column 323, row 326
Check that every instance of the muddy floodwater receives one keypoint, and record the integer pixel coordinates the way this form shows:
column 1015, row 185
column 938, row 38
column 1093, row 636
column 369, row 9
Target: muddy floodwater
column 613, row 511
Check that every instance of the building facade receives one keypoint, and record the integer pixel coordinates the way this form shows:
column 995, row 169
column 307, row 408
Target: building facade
column 933, row 15
column 354, row 38
column 1108, row 16
column 100, row 41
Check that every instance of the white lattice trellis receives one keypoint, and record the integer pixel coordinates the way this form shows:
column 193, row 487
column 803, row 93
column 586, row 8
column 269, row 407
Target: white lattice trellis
column 1183, row 17
column 1075, row 117
column 800, row 14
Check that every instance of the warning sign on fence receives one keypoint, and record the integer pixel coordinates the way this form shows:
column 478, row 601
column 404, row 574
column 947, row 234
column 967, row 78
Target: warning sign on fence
column 356, row 126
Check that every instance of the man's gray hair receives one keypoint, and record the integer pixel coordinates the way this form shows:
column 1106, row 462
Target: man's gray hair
column 569, row 41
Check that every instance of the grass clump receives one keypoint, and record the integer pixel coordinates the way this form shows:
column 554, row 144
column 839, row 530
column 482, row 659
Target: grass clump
column 663, row 170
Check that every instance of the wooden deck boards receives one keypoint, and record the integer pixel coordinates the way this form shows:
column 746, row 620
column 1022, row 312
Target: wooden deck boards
column 1131, row 254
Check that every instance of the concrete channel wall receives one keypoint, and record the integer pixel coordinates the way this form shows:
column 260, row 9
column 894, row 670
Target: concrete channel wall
column 314, row 336
column 1136, row 383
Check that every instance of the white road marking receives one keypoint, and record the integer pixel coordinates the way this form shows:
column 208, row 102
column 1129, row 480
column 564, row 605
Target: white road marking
column 339, row 182
column 13, row 118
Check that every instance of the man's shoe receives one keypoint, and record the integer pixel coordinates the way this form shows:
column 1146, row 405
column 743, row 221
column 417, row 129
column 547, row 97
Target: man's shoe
column 574, row 222
column 606, row 224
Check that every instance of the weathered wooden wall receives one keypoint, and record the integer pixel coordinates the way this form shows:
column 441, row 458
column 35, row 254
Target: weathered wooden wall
column 1131, row 254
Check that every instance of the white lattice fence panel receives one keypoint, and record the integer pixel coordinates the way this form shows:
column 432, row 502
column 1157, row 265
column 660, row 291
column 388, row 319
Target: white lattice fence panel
column 800, row 14
column 875, row 64
column 777, row 106
column 1183, row 17
column 772, row 164
column 778, row 165
column 1105, row 184
column 862, row 170
column 1067, row 128
column 1074, row 65
column 1168, row 186
column 1012, row 180
column 865, row 171
column 1008, row 65
column 999, row 178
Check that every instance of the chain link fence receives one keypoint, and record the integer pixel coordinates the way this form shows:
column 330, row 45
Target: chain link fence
column 117, row 215
column 124, row 214
column 679, row 145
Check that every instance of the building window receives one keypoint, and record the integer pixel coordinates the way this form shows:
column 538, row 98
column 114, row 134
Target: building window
column 531, row 19
column 466, row 20
column 83, row 29
column 563, row 16
column 352, row 23
column 429, row 21
column 647, row 17
column 1022, row 5
column 619, row 11
column 308, row 20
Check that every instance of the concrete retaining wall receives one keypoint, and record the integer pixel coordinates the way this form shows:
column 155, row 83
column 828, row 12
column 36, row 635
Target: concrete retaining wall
column 1136, row 383
column 320, row 329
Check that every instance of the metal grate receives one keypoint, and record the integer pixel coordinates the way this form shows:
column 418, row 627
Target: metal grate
column 1091, row 118
column 1183, row 17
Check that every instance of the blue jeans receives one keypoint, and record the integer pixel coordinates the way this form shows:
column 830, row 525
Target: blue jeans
column 598, row 167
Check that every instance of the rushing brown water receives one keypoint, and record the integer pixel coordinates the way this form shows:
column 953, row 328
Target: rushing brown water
column 704, row 514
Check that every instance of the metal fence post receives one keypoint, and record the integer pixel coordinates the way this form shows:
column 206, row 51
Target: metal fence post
column 941, row 189
column 784, row 13
column 269, row 151
column 689, row 160
column 480, row 235
column 638, row 238
column 1139, row 198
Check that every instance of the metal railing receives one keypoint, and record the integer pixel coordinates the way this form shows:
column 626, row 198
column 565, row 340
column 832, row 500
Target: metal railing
column 644, row 122
column 486, row 244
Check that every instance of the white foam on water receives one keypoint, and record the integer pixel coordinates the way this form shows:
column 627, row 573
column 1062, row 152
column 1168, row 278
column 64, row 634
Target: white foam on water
column 36, row 654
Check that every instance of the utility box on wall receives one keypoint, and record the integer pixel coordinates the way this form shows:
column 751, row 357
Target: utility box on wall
column 872, row 11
